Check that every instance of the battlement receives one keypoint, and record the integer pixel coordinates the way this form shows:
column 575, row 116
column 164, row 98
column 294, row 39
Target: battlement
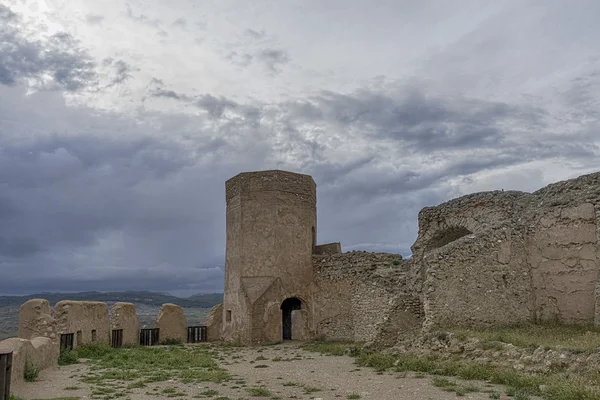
column 271, row 181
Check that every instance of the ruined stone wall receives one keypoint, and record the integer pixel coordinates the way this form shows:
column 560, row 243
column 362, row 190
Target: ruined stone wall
column 88, row 320
column 124, row 316
column 39, row 352
column 543, row 244
column 35, row 320
column 564, row 251
column 364, row 297
column 466, row 215
column 478, row 280
column 328, row 248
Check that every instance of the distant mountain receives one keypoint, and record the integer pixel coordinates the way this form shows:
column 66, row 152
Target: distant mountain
column 199, row 300
column 208, row 298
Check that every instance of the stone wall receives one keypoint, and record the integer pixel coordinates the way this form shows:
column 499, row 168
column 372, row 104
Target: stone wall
column 497, row 258
column 214, row 323
column 328, row 248
column 124, row 316
column 478, row 280
column 35, row 320
column 172, row 323
column 39, row 352
column 364, row 297
column 88, row 320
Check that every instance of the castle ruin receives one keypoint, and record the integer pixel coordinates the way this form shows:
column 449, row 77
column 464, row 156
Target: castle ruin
column 485, row 259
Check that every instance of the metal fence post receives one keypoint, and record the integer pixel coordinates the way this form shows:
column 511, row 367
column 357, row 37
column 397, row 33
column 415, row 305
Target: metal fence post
column 5, row 373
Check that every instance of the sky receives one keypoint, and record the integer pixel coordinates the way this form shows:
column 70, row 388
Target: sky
column 120, row 122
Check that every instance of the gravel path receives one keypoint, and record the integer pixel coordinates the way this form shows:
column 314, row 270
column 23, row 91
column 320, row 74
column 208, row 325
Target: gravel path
column 283, row 371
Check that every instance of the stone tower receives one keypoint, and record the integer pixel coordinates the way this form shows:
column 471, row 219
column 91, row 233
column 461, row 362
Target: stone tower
column 271, row 235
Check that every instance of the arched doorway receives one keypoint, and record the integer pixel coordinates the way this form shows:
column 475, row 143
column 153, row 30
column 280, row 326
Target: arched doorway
column 287, row 307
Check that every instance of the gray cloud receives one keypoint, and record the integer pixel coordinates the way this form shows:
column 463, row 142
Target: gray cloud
column 94, row 19
column 59, row 56
column 98, row 200
column 273, row 59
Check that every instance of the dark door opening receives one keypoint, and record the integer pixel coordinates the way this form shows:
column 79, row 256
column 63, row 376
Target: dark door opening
column 287, row 307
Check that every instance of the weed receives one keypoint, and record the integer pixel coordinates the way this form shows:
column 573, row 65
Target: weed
column 30, row 374
column 259, row 392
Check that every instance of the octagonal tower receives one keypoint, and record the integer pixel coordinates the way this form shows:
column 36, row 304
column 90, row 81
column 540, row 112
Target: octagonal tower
column 271, row 235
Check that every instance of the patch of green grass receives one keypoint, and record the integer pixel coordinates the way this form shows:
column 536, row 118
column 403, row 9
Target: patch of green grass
column 171, row 342
column 93, row 350
column 310, row 389
column 379, row 361
column 208, row 393
column 556, row 386
column 68, row 357
column 259, row 392
column 55, row 398
column 576, row 338
column 353, row 396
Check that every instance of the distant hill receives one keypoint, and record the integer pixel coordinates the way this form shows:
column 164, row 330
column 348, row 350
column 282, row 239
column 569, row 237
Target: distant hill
column 200, row 300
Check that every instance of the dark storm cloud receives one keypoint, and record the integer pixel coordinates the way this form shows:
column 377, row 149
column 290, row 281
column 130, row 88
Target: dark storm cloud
column 423, row 122
column 58, row 56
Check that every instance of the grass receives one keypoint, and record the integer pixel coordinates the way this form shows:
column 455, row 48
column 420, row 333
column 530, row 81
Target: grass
column 30, row 374
column 556, row 386
column 575, row 338
column 115, row 372
column 259, row 392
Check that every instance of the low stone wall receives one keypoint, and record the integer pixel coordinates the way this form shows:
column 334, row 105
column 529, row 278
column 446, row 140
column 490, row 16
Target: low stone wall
column 40, row 353
column 88, row 320
column 124, row 316
column 172, row 323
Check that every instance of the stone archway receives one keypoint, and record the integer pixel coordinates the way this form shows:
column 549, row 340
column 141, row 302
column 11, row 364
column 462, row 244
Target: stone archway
column 290, row 321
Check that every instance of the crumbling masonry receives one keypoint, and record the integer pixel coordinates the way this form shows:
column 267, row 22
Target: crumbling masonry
column 491, row 258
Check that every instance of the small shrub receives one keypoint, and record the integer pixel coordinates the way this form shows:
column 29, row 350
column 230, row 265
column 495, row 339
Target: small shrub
column 171, row 342
column 353, row 396
column 93, row 350
column 259, row 392
column 68, row 357
column 30, row 374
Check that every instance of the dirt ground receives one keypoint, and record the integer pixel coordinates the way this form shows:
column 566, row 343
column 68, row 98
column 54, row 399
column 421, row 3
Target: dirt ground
column 283, row 371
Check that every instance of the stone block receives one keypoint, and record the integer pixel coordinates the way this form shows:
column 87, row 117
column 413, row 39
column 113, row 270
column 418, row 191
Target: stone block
column 172, row 323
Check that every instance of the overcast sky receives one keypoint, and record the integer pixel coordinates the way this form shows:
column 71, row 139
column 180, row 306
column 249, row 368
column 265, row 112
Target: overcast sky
column 121, row 120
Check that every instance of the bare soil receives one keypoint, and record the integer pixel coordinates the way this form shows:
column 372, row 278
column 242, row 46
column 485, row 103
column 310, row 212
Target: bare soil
column 283, row 371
